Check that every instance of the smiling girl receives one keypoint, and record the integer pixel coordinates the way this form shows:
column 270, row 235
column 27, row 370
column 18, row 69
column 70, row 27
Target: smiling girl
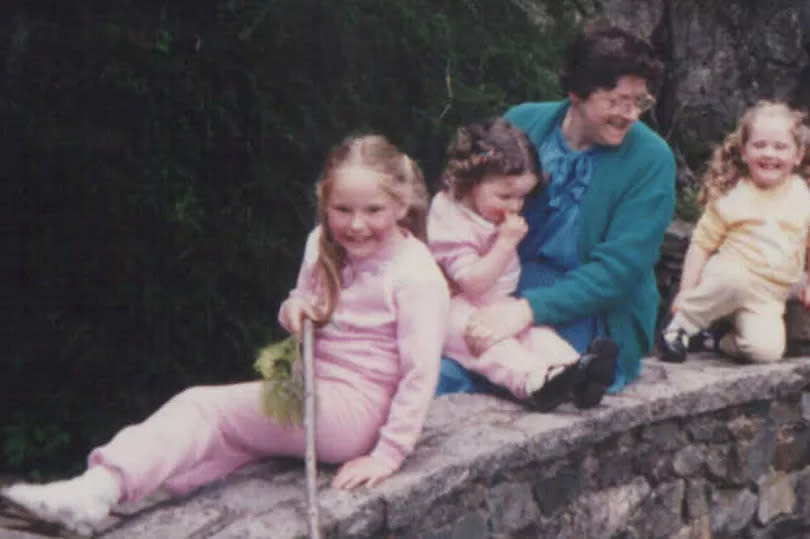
column 749, row 246
column 380, row 303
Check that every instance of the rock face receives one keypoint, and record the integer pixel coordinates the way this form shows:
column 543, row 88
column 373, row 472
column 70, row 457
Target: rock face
column 721, row 57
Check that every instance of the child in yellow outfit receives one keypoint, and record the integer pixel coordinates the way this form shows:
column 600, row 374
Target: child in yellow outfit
column 749, row 246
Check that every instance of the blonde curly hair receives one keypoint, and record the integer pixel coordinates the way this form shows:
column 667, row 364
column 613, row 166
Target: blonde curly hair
column 726, row 166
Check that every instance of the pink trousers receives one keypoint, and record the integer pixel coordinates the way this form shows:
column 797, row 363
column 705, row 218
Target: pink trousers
column 204, row 433
column 510, row 362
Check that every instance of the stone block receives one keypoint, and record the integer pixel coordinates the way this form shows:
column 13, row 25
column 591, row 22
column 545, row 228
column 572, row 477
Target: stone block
column 776, row 496
column 801, row 483
column 664, row 436
column 697, row 496
column 511, row 507
column 805, row 406
column 607, row 512
column 688, row 460
column 731, row 511
column 660, row 514
column 708, row 429
column 560, row 490
column 792, row 449
column 785, row 412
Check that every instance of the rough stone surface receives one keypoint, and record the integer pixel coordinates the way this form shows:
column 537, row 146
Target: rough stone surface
column 704, row 448
column 776, row 497
column 731, row 511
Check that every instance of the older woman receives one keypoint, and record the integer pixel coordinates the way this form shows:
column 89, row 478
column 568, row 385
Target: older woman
column 594, row 233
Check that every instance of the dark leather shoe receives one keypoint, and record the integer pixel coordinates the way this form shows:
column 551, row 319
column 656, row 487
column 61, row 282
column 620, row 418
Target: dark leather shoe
column 599, row 369
column 556, row 390
column 584, row 382
column 673, row 345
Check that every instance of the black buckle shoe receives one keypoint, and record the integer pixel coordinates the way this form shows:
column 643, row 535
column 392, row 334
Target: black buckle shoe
column 599, row 369
column 584, row 382
column 673, row 345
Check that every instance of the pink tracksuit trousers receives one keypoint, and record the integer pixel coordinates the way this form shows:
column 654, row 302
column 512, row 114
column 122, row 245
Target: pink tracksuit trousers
column 206, row 432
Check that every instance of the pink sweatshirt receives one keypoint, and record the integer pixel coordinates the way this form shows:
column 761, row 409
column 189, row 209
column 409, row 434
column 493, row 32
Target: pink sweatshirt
column 458, row 237
column 386, row 332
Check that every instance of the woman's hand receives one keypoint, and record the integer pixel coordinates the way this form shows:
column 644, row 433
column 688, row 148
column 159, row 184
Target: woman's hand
column 367, row 470
column 497, row 322
column 293, row 310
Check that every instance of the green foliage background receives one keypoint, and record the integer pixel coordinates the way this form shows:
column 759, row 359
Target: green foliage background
column 160, row 159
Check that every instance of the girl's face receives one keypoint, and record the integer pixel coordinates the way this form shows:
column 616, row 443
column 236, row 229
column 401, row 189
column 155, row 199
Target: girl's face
column 360, row 214
column 499, row 195
column 770, row 153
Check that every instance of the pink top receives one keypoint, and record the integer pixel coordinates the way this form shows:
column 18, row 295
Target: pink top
column 458, row 237
column 387, row 330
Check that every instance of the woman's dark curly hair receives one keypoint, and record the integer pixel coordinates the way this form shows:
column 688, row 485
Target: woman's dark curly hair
column 602, row 53
column 494, row 147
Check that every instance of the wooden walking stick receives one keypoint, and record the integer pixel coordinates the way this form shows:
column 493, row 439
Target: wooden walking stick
column 311, row 459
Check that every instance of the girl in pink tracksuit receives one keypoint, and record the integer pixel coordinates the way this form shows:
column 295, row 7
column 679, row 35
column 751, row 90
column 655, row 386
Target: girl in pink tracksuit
column 474, row 228
column 380, row 305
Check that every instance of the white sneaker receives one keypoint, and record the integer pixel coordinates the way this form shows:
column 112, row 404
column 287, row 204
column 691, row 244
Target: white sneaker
column 80, row 504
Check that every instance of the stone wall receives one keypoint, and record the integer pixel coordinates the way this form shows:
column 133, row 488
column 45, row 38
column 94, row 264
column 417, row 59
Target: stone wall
column 703, row 449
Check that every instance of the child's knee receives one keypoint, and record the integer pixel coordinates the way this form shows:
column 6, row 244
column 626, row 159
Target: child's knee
column 762, row 352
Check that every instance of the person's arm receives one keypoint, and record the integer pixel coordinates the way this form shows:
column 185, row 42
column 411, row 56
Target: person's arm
column 422, row 305
column 302, row 300
column 482, row 272
column 693, row 263
column 708, row 234
column 614, row 266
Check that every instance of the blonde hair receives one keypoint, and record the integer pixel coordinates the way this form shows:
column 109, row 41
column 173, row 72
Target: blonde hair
column 726, row 166
column 400, row 177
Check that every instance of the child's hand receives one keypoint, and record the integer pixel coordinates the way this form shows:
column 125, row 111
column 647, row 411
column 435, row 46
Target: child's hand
column 294, row 310
column 512, row 229
column 497, row 322
column 804, row 296
column 676, row 303
column 366, row 470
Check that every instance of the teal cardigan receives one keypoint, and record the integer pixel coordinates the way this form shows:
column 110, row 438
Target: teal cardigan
column 625, row 212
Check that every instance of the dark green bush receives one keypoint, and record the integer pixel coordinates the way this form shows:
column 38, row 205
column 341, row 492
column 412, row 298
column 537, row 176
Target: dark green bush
column 161, row 157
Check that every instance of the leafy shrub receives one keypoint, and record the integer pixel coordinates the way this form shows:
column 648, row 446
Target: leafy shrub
column 161, row 170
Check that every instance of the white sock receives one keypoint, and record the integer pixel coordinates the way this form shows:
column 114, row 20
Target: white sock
column 679, row 321
column 80, row 504
column 541, row 377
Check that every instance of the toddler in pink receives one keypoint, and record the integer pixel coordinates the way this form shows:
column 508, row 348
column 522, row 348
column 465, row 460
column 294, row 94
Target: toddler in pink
column 380, row 304
column 474, row 228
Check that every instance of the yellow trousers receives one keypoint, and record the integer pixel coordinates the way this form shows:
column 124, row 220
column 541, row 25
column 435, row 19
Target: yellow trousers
column 727, row 288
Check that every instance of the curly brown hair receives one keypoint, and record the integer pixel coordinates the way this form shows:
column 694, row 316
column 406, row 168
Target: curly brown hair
column 726, row 167
column 401, row 177
column 479, row 150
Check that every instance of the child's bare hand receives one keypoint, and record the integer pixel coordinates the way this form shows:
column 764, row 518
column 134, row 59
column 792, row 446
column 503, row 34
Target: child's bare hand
column 294, row 310
column 367, row 470
column 512, row 229
column 804, row 296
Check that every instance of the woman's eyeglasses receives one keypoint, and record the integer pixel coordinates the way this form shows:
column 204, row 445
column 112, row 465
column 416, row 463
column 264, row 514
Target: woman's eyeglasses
column 641, row 103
